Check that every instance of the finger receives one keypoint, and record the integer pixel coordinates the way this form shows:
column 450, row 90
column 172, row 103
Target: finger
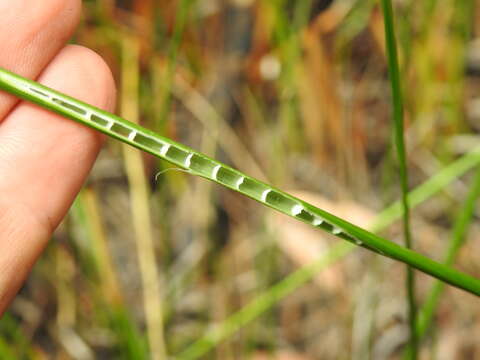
column 31, row 33
column 44, row 160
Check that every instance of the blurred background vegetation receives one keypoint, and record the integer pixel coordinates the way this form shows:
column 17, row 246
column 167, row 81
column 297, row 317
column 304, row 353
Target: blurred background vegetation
column 154, row 263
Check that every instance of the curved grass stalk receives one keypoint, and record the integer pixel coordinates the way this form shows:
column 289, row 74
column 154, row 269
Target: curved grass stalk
column 201, row 165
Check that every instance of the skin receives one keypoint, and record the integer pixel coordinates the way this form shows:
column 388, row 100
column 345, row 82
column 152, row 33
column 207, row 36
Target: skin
column 44, row 158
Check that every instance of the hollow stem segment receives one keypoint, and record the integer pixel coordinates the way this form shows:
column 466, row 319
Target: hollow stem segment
column 199, row 164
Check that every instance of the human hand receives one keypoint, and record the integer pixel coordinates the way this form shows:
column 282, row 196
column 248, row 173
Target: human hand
column 44, row 158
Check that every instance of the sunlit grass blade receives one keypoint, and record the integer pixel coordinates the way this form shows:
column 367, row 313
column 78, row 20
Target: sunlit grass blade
column 397, row 97
column 201, row 165
column 140, row 207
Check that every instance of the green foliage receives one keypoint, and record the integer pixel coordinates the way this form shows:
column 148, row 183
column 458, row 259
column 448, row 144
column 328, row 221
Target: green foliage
column 298, row 99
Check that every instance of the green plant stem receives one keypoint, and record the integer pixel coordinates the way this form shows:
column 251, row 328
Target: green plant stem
column 201, row 165
column 398, row 117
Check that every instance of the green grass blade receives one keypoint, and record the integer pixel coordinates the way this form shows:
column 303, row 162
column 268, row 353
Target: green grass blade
column 201, row 165
column 430, row 187
column 458, row 238
column 131, row 343
column 262, row 303
column 13, row 343
column 398, row 116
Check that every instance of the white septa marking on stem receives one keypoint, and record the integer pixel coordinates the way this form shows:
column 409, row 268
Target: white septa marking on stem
column 265, row 194
column 36, row 91
column 297, row 210
column 215, row 171
column 164, row 149
column 132, row 135
column 188, row 160
column 239, row 182
column 336, row 231
column 317, row 221
column 358, row 242
column 109, row 125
